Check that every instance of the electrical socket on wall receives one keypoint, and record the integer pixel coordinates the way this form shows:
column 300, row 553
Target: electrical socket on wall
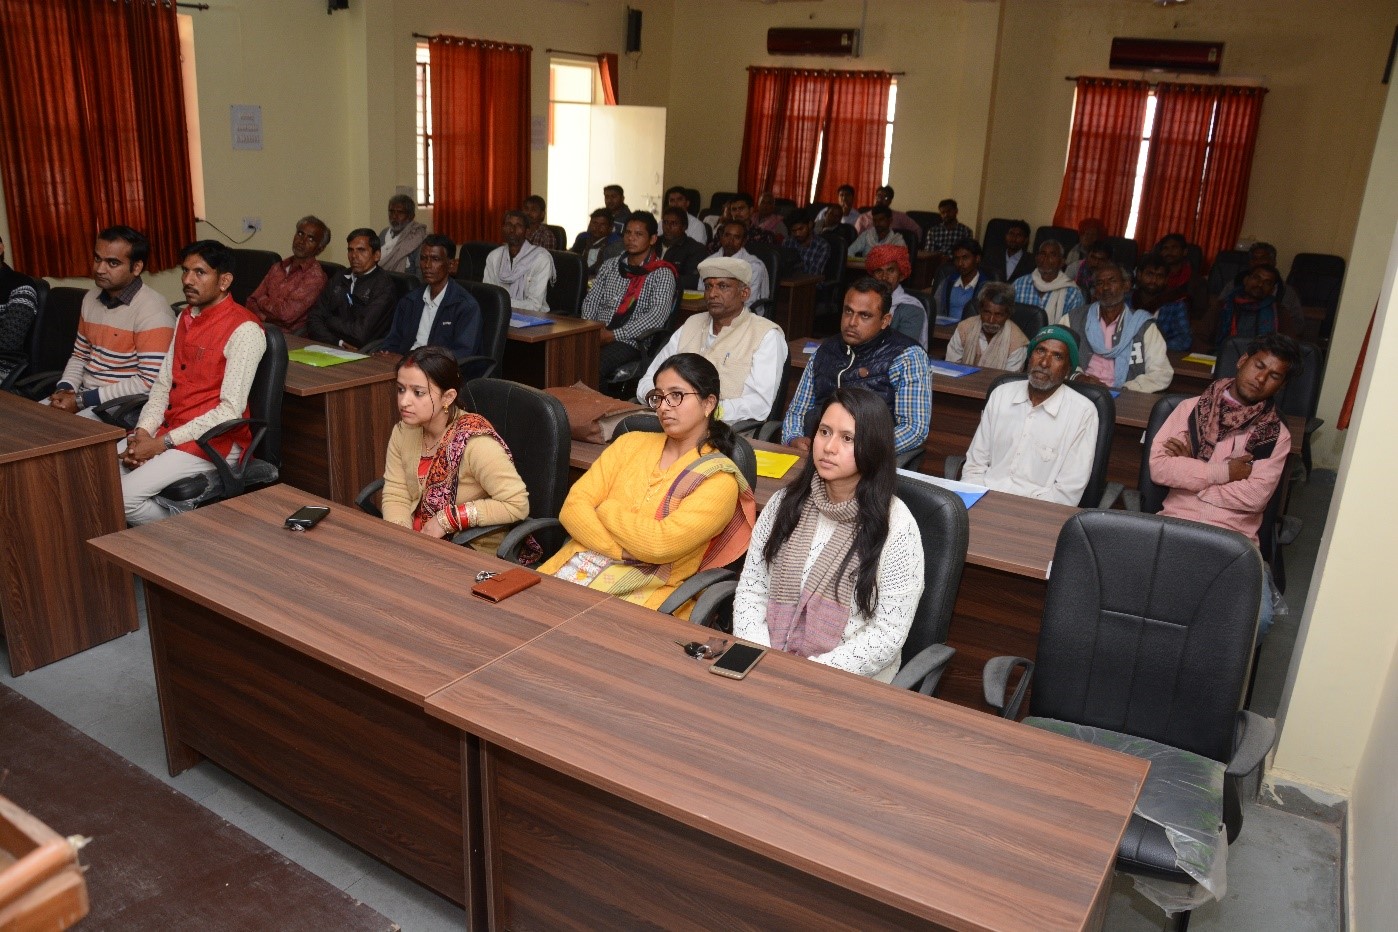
column 252, row 225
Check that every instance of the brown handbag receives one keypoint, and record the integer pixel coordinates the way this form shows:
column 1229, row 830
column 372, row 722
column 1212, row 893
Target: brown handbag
column 593, row 416
column 503, row 585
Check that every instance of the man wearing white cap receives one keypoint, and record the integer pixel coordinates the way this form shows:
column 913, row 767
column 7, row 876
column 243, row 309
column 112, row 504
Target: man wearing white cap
column 748, row 351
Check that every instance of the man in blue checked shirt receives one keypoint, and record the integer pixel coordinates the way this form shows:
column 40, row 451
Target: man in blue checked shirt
column 871, row 355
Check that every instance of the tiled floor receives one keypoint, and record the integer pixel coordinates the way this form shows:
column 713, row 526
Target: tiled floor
column 1283, row 873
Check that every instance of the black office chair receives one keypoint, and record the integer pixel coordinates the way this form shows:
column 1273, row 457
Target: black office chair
column 911, row 240
column 565, row 294
column 495, row 330
column 694, row 203
column 1318, row 278
column 1299, row 397
column 465, row 270
column 785, row 207
column 1065, row 235
column 846, row 232
column 1029, row 318
column 1125, row 252
column 534, row 425
column 719, row 200
column 1147, row 636
column 925, row 219
column 769, row 256
column 752, row 427
column 477, row 251
column 403, row 283
column 331, row 269
column 250, row 266
column 1098, row 493
column 260, row 463
column 623, row 381
column 829, row 289
column 50, row 345
column 993, row 240
column 1227, row 264
column 1195, row 254
column 560, row 236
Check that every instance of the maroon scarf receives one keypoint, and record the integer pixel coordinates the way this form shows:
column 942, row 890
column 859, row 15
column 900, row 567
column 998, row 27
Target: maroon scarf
column 1215, row 418
column 635, row 278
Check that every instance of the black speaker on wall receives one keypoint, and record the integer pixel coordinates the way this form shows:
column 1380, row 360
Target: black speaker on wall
column 633, row 30
column 332, row 5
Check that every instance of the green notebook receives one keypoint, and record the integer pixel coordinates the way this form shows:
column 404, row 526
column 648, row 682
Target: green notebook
column 322, row 356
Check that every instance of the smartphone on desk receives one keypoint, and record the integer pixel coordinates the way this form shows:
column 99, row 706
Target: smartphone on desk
column 737, row 660
column 307, row 517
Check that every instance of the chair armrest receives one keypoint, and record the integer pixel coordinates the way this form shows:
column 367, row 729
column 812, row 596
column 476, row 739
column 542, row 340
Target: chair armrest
column 514, row 540
column 115, row 410
column 1131, row 500
column 748, row 426
column 763, row 308
column 1252, row 740
column 770, row 431
column 925, row 670
column 996, row 679
column 365, row 499
column 465, row 537
column 951, row 469
column 692, row 586
column 372, row 347
column 912, row 460
column 476, row 367
column 1314, row 424
column 712, row 599
column 36, row 385
column 232, row 480
column 1111, row 493
column 18, row 365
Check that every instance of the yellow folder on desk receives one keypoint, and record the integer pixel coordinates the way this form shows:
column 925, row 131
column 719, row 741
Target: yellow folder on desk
column 774, row 465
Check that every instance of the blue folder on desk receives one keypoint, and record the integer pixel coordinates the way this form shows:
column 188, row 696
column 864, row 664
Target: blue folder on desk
column 947, row 321
column 968, row 492
column 954, row 370
column 526, row 320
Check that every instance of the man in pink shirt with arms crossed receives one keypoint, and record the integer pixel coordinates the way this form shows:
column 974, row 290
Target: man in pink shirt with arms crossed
column 1223, row 453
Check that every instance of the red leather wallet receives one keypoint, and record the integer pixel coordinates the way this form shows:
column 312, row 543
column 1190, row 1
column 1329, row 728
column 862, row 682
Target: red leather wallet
column 501, row 587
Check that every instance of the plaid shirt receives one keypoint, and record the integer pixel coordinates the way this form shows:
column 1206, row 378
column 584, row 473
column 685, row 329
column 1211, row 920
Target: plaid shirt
column 652, row 306
column 912, row 402
column 941, row 238
column 542, row 237
column 814, row 255
column 1173, row 321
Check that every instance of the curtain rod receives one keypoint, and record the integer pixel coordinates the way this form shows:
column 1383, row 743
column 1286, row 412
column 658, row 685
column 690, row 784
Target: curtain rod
column 191, row 6
column 892, row 74
column 566, row 52
column 1210, row 78
column 489, row 43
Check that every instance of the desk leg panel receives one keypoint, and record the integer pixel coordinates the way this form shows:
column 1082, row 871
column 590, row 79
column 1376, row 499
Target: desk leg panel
column 954, row 422
column 306, row 444
column 57, row 597
column 996, row 613
column 359, row 422
column 1124, row 464
column 370, row 767
column 565, row 855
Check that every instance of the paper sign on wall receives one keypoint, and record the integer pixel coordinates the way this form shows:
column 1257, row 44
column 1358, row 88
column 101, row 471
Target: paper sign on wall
column 247, row 126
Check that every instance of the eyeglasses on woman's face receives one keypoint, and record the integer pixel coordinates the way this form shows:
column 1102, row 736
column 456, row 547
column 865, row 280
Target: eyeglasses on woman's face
column 671, row 398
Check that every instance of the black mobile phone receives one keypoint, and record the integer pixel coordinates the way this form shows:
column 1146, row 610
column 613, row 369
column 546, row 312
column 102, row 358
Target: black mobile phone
column 737, row 661
column 307, row 517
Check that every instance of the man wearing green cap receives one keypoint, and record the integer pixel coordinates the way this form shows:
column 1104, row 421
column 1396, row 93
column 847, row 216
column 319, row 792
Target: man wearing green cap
column 1037, row 437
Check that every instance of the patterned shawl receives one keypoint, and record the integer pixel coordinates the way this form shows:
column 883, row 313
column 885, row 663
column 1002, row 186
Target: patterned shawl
column 633, row 580
column 1215, row 417
column 808, row 616
column 635, row 278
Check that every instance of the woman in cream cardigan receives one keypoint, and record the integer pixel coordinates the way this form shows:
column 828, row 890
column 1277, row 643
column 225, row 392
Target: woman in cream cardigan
column 447, row 469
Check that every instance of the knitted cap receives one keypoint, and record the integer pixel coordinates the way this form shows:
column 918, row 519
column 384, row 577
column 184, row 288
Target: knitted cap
column 1061, row 334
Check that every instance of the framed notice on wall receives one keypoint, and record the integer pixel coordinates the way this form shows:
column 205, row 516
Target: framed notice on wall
column 247, row 126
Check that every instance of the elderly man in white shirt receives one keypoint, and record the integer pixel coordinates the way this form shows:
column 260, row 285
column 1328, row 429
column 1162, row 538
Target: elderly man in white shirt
column 748, row 351
column 520, row 267
column 1037, row 438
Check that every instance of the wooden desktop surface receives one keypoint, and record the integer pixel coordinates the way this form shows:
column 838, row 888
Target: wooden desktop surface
column 625, row 785
column 59, row 485
column 561, row 326
column 553, row 355
column 303, row 380
column 300, row 662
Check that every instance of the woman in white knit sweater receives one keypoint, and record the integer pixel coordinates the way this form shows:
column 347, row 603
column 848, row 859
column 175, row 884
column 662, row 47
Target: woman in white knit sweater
column 834, row 569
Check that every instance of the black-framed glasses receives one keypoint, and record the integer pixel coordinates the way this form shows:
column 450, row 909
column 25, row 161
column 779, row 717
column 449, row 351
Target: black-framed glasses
column 673, row 398
column 712, row 649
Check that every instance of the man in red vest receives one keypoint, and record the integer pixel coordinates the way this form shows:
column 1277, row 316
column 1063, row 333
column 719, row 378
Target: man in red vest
column 203, row 382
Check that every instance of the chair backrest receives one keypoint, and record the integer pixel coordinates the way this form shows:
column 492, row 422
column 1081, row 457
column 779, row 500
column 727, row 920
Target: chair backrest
column 694, row 202
column 846, row 232
column 1301, row 393
column 925, row 219
column 249, row 268
column 1065, row 235
column 265, row 395
column 720, row 199
column 785, row 207
column 1125, row 252
column 565, row 295
column 534, row 425
column 55, row 327
column 1227, row 264
column 331, row 269
column 993, row 240
column 560, row 236
column 743, row 456
column 477, row 250
column 769, row 257
column 1148, row 629
column 1101, row 399
column 1029, row 318
column 910, row 238
column 1195, row 254
column 402, row 284
column 1152, row 495
column 839, row 250
column 945, row 528
column 1318, row 278
column 495, row 319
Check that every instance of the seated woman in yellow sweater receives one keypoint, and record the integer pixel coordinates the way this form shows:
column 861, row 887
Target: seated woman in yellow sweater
column 657, row 508
column 447, row 469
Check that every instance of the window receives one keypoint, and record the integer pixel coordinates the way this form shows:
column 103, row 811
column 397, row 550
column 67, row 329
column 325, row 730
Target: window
column 1141, row 161
column 887, row 141
column 572, row 92
column 424, row 127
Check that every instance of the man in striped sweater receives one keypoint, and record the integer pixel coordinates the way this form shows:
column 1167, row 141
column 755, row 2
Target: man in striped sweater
column 124, row 331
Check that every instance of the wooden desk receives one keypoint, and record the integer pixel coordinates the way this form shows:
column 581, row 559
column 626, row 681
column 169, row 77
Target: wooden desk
column 335, row 424
column 554, row 355
column 626, row 787
column 59, row 485
column 300, row 662
column 795, row 312
column 1191, row 378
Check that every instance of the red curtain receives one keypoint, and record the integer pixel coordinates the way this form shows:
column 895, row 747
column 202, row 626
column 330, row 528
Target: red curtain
column 480, row 134
column 1224, row 197
column 788, row 110
column 92, row 130
column 1102, row 153
column 606, row 69
column 855, row 135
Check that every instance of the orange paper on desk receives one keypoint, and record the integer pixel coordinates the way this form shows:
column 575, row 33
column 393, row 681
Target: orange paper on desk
column 774, row 465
